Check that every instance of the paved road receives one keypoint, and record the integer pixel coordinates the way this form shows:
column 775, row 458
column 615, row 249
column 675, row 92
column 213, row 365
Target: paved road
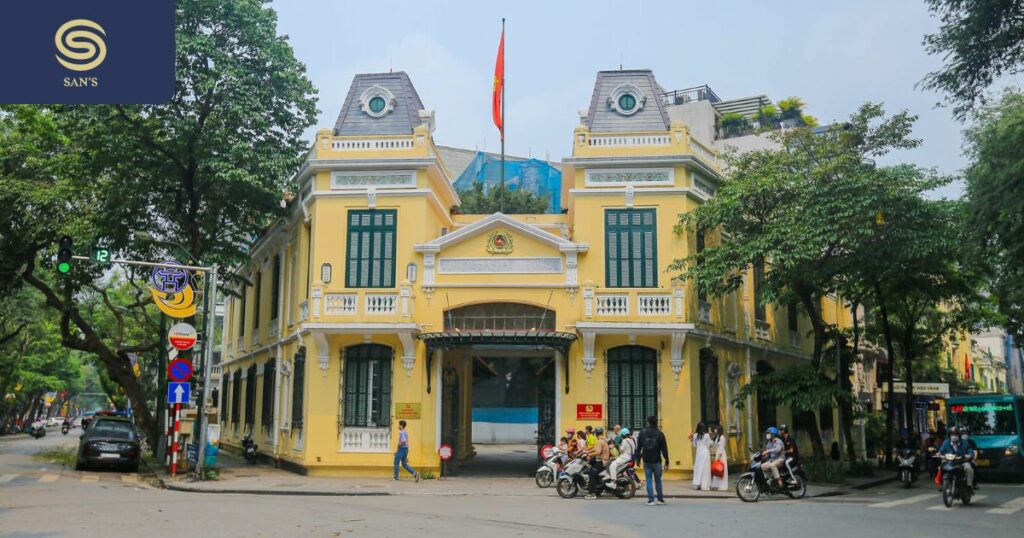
column 60, row 502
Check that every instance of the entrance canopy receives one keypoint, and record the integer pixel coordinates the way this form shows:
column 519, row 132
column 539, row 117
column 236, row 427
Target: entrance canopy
column 558, row 341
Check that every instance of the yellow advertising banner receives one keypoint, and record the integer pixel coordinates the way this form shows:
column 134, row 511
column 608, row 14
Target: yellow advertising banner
column 407, row 411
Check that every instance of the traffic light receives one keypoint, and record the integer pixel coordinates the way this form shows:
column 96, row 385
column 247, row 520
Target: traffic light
column 64, row 254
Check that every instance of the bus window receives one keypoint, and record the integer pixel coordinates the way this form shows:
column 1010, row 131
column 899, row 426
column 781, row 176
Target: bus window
column 985, row 418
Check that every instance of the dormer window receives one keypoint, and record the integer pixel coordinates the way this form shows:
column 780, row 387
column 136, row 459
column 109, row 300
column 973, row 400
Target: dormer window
column 377, row 101
column 627, row 99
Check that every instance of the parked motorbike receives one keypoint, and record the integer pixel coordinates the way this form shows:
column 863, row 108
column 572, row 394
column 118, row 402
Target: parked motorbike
column 954, row 483
column 907, row 467
column 249, row 448
column 753, row 483
column 576, row 476
column 38, row 430
column 550, row 470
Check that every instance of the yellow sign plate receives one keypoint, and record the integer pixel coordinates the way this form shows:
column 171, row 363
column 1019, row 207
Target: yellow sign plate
column 407, row 411
column 983, row 463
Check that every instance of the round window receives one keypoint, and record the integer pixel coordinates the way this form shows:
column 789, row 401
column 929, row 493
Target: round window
column 377, row 104
column 627, row 102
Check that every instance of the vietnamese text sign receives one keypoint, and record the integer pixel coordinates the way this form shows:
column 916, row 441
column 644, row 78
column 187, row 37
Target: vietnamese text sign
column 589, row 411
column 407, row 411
column 75, row 52
column 921, row 389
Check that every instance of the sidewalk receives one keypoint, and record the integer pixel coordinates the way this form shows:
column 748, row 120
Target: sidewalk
column 238, row 477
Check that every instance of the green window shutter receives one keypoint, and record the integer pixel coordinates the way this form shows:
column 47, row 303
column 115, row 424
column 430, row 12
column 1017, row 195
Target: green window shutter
column 760, row 310
column 256, row 292
column 368, row 386
column 267, row 403
column 298, row 387
column 632, row 385
column 370, row 253
column 631, row 248
column 241, row 312
column 275, row 288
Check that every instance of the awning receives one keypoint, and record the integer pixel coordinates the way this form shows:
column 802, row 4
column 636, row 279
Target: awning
column 559, row 341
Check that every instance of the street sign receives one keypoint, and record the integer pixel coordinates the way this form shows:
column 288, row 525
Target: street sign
column 445, row 452
column 179, row 370
column 169, row 279
column 100, row 255
column 182, row 336
column 178, row 393
column 192, row 452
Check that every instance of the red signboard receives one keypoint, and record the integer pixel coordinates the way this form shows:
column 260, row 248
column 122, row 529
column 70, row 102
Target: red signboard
column 445, row 452
column 179, row 370
column 589, row 412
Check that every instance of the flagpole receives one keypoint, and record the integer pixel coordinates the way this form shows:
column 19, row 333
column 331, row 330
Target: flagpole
column 502, row 195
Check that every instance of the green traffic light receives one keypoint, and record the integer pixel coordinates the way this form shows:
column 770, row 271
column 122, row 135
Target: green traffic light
column 64, row 267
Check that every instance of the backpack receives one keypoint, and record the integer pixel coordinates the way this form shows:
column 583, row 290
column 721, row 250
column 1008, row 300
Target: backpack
column 650, row 446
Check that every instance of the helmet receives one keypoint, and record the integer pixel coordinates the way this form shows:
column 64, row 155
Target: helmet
column 624, row 432
column 772, row 430
column 570, row 431
column 783, row 428
column 599, row 430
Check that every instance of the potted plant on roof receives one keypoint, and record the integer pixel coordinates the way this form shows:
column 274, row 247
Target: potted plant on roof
column 734, row 124
column 768, row 116
column 791, row 110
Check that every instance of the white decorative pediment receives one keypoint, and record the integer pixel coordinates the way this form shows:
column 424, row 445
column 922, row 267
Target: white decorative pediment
column 500, row 220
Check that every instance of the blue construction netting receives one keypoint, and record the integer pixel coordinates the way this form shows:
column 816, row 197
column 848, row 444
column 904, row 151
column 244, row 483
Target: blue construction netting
column 537, row 177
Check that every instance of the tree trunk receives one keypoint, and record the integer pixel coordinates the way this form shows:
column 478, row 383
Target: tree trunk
column 810, row 420
column 889, row 415
column 908, row 403
column 809, row 417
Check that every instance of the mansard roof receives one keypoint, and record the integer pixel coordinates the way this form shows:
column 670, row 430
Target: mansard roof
column 402, row 116
column 603, row 117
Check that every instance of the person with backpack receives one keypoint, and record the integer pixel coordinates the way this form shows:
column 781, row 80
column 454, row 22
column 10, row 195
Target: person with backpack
column 652, row 449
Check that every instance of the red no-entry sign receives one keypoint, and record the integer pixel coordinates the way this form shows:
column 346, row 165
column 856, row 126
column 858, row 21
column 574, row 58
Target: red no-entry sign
column 445, row 452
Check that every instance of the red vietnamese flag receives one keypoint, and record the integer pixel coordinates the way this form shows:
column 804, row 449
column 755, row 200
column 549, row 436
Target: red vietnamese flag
column 967, row 367
column 499, row 83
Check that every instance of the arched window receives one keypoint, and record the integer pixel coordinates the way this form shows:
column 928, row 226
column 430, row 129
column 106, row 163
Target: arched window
column 499, row 317
column 709, row 412
column 632, row 385
column 765, row 410
column 368, row 386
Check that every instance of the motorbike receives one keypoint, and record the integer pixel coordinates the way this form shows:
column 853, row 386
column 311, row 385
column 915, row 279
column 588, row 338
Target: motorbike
column 249, row 448
column 907, row 469
column 65, row 428
column 954, row 483
column 38, row 430
column 753, row 483
column 576, row 476
column 550, row 469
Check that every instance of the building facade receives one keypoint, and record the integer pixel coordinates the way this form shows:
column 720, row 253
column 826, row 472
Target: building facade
column 375, row 301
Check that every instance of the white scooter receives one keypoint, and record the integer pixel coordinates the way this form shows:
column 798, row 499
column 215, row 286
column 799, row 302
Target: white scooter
column 550, row 470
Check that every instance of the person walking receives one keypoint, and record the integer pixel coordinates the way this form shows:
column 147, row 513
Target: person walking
column 402, row 453
column 702, row 460
column 652, row 448
column 718, row 441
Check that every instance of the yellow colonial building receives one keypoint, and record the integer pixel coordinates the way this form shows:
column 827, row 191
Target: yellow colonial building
column 374, row 300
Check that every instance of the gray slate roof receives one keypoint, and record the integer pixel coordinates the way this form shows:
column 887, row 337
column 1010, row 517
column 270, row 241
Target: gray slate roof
column 352, row 121
column 603, row 119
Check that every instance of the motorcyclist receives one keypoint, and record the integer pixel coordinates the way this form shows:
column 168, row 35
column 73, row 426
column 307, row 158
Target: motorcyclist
column 792, row 452
column 599, row 456
column 956, row 446
column 773, row 454
column 627, row 448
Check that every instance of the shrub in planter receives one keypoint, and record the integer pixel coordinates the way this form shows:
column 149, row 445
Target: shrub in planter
column 734, row 124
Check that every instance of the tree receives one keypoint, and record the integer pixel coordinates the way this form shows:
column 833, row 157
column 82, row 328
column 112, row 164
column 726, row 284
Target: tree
column 995, row 202
column 478, row 201
column 805, row 208
column 980, row 40
column 207, row 170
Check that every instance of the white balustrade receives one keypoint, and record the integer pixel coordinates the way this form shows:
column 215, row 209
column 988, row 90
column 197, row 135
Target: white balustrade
column 372, row 144
column 654, row 305
column 632, row 140
column 381, row 303
column 303, row 311
column 340, row 304
column 704, row 311
column 703, row 152
column 366, row 439
column 762, row 328
column 612, row 305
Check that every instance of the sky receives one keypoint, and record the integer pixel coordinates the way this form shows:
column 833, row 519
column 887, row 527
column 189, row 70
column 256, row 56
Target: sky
column 835, row 55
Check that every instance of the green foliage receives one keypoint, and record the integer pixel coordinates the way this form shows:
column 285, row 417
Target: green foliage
column 979, row 41
column 802, row 387
column 62, row 455
column 768, row 115
column 995, row 194
column 734, row 123
column 809, row 120
column 427, row 475
column 791, row 108
column 824, row 471
column 478, row 201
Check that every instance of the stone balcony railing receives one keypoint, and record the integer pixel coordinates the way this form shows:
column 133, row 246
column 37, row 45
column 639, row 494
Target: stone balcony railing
column 365, row 439
column 762, row 329
column 632, row 303
column 362, row 303
column 303, row 311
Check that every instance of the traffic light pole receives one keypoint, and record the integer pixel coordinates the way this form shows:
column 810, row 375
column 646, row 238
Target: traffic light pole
column 211, row 306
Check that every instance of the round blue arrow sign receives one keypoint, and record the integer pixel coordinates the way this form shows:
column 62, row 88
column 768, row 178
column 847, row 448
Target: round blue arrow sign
column 180, row 369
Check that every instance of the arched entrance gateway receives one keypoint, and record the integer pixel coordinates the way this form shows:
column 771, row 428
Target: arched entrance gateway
column 500, row 363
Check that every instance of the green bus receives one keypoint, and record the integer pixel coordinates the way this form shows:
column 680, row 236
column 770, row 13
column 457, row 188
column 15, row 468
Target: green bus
column 995, row 423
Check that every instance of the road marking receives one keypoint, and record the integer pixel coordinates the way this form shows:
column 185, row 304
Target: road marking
column 7, row 478
column 901, row 502
column 943, row 506
column 90, row 478
column 1009, row 507
column 129, row 478
column 49, row 478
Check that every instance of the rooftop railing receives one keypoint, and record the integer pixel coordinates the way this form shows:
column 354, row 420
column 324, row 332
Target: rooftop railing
column 697, row 93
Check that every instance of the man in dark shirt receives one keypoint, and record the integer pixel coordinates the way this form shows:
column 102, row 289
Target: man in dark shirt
column 652, row 449
column 792, row 451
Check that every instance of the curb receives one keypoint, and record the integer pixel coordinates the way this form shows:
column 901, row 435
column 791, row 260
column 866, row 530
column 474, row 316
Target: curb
column 873, row 483
column 154, row 473
column 175, row 487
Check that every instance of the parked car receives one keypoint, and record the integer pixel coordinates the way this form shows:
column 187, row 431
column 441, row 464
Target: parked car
column 54, row 421
column 109, row 442
column 77, row 423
